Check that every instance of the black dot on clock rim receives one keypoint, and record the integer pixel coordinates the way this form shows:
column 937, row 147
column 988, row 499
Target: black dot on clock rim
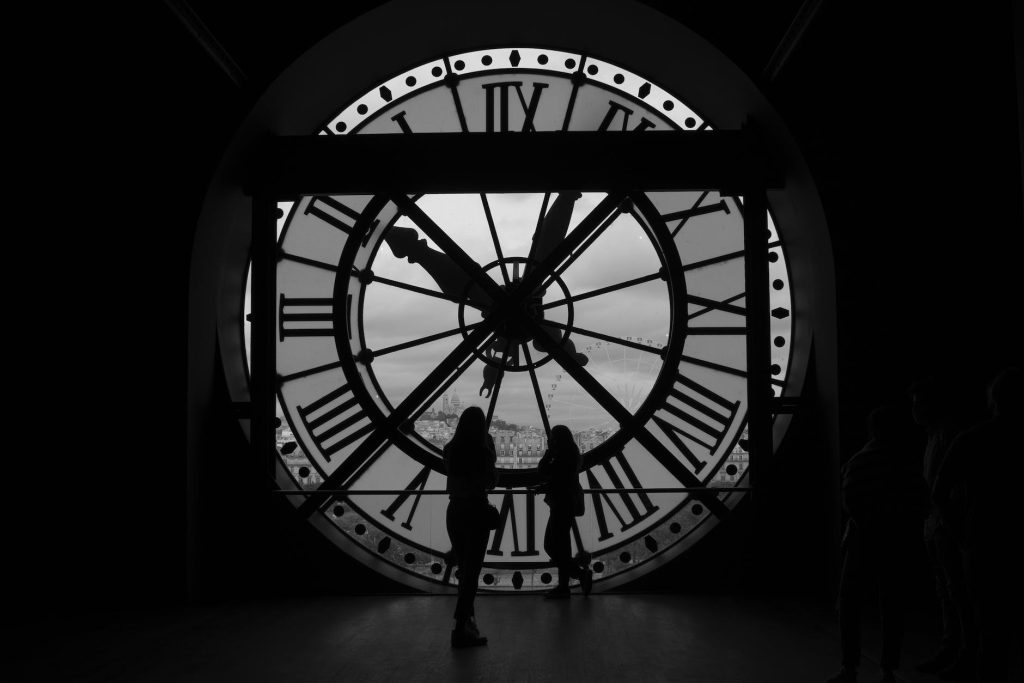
column 303, row 471
column 599, row 567
column 436, row 72
column 340, row 126
column 486, row 60
column 773, row 256
column 778, row 284
column 279, row 212
column 619, row 79
column 338, row 511
column 488, row 579
column 668, row 105
column 435, row 568
column 542, row 59
column 780, row 341
column 410, row 81
column 689, row 122
column 776, row 369
column 570, row 64
column 545, row 577
column 675, row 527
column 625, row 557
column 362, row 109
column 409, row 558
column 360, row 529
column 698, row 510
column 459, row 65
column 592, row 69
column 731, row 469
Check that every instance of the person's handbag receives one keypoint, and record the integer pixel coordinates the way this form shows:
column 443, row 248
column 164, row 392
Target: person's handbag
column 492, row 517
column 579, row 504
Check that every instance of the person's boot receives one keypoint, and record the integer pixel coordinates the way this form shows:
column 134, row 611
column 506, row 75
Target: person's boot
column 557, row 593
column 942, row 659
column 960, row 670
column 466, row 634
column 845, row 675
column 587, row 581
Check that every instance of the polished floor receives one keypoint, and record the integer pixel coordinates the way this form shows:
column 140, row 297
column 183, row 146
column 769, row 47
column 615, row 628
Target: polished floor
column 699, row 639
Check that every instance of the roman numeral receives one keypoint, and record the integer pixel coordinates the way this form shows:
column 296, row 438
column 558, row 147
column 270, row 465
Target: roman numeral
column 305, row 321
column 631, row 514
column 418, row 483
column 399, row 118
column 330, row 210
column 705, row 417
column 614, row 109
column 497, row 112
column 509, row 519
column 319, row 419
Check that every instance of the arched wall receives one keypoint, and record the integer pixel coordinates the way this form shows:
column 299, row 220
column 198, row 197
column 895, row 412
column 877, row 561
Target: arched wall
column 389, row 39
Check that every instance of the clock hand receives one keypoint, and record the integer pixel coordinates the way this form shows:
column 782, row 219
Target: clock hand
column 553, row 228
column 453, row 280
column 549, row 234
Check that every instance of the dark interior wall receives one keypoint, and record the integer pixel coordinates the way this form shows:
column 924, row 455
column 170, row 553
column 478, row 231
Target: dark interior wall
column 907, row 117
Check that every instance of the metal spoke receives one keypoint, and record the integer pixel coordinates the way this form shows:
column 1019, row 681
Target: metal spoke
column 308, row 261
column 711, row 304
column 536, row 390
column 424, row 291
column 720, row 259
column 309, row 371
column 494, row 238
column 723, row 368
column 606, row 337
column 459, row 371
column 424, row 340
column 603, row 290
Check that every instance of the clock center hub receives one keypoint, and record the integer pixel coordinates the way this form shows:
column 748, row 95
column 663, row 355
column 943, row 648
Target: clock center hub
column 516, row 347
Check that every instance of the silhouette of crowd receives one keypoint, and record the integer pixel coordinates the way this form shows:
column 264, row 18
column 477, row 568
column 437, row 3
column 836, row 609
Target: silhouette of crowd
column 960, row 499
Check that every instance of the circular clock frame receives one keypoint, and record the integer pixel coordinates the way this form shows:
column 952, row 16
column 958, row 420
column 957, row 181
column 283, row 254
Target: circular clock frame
column 660, row 49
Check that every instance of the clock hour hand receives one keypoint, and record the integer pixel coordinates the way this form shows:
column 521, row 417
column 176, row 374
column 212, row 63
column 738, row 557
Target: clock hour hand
column 454, row 281
column 550, row 232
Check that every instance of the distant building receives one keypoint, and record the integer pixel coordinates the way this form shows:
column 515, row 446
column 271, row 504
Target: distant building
column 456, row 403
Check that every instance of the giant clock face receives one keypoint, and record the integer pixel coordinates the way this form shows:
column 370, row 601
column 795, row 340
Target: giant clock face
column 620, row 316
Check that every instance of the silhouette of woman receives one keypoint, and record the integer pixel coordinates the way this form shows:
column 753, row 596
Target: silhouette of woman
column 560, row 469
column 469, row 460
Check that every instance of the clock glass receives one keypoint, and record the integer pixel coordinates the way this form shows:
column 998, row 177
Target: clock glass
column 620, row 316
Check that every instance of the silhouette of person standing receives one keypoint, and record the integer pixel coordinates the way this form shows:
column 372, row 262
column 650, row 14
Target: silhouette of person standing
column 986, row 462
column 932, row 410
column 885, row 498
column 560, row 468
column 469, row 459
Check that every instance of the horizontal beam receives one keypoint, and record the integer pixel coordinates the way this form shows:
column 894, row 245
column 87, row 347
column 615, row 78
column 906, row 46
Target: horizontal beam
column 511, row 162
column 343, row 493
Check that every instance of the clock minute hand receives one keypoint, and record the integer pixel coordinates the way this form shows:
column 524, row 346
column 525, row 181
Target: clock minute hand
column 450, row 278
column 553, row 228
